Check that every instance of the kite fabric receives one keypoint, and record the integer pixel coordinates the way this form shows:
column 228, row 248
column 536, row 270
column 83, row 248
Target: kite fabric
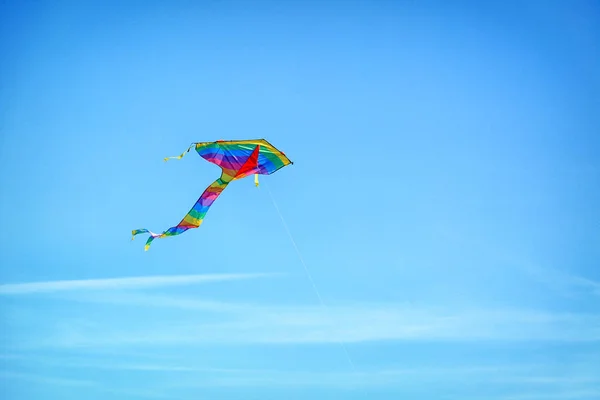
column 237, row 159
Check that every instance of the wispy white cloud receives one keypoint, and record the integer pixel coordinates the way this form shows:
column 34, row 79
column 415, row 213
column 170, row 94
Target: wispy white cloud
column 159, row 301
column 127, row 364
column 587, row 394
column 139, row 282
column 590, row 284
column 356, row 323
column 87, row 385
column 9, row 375
column 192, row 372
column 383, row 377
column 198, row 321
column 561, row 282
column 142, row 393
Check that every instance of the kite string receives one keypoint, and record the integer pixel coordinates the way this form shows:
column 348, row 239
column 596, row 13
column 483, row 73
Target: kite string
column 306, row 270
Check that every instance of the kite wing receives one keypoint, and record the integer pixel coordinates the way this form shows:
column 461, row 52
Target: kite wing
column 237, row 159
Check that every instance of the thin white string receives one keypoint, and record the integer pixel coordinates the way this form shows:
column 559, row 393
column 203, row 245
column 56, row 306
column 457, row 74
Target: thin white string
column 308, row 274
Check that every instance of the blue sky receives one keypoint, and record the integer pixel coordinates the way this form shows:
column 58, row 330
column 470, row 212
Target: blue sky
column 444, row 197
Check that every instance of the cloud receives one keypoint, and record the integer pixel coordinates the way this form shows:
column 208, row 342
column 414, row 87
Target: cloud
column 379, row 377
column 192, row 372
column 561, row 282
column 8, row 375
column 159, row 301
column 123, row 364
column 187, row 371
column 591, row 285
column 120, row 283
column 255, row 324
column 554, row 395
column 86, row 384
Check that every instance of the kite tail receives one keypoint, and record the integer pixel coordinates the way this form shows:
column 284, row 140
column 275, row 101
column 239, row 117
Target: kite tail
column 195, row 216
column 152, row 234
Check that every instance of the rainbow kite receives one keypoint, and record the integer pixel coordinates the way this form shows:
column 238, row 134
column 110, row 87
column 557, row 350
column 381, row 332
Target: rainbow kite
column 237, row 159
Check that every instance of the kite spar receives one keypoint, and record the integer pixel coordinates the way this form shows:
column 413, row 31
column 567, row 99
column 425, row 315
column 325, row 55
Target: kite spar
column 237, row 159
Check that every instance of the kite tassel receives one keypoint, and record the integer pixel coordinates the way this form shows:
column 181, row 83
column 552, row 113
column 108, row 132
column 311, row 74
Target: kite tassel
column 148, row 242
column 137, row 232
column 150, row 239
column 179, row 157
column 256, row 180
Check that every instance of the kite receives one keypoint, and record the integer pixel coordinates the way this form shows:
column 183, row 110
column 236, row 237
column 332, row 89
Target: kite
column 237, row 159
